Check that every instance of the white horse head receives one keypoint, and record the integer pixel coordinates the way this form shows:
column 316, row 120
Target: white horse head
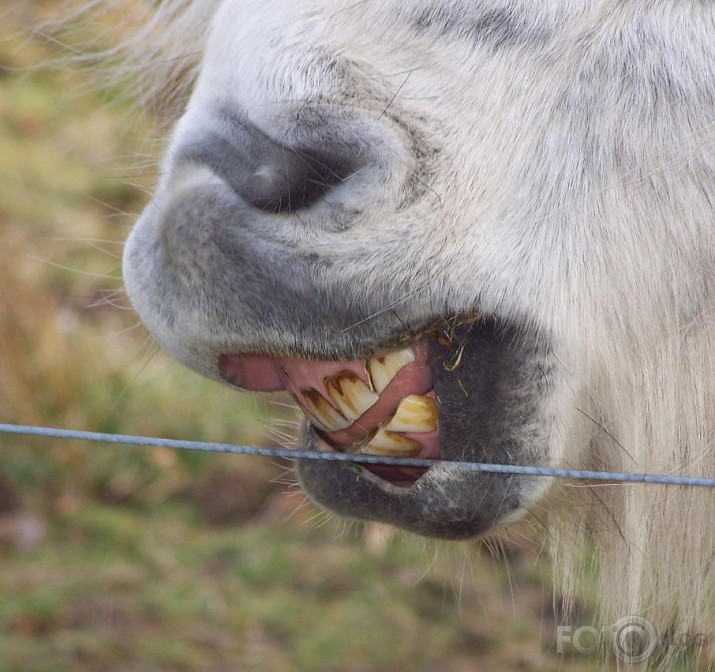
column 479, row 231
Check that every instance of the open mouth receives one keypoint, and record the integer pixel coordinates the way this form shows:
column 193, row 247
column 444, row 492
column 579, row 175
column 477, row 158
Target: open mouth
column 383, row 405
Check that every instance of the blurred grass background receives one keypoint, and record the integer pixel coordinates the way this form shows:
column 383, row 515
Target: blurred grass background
column 129, row 559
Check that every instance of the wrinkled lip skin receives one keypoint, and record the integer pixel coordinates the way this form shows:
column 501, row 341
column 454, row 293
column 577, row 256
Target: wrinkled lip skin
column 383, row 405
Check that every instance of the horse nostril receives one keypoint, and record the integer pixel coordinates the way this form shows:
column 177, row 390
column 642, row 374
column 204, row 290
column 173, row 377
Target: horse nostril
column 297, row 182
column 263, row 172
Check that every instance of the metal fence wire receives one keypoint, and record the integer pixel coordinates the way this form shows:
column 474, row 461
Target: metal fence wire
column 290, row 453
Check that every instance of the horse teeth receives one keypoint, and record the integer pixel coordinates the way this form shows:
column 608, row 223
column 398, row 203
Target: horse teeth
column 416, row 413
column 350, row 395
column 321, row 413
column 383, row 368
column 391, row 443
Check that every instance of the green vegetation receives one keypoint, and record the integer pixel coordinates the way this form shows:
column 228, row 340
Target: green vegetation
column 126, row 559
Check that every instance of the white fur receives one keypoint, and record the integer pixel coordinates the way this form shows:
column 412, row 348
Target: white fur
column 572, row 187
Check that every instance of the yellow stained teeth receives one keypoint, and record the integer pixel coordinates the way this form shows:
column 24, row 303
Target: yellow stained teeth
column 390, row 443
column 383, row 368
column 416, row 413
column 321, row 413
column 351, row 395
